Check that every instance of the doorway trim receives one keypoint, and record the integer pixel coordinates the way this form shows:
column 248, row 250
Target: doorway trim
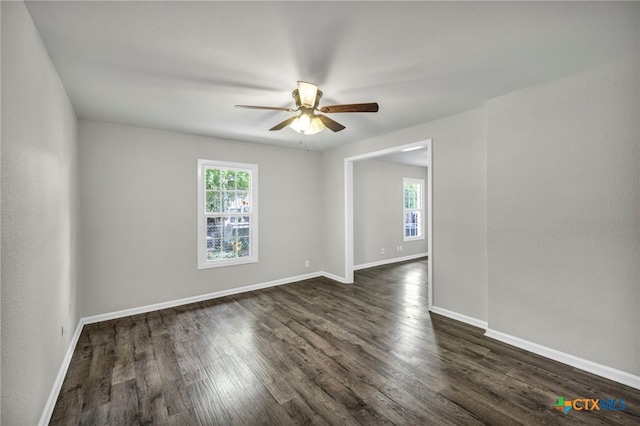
column 348, row 208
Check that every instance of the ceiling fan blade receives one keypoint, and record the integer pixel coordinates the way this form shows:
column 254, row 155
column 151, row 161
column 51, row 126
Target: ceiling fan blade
column 284, row 124
column 266, row 107
column 370, row 107
column 331, row 124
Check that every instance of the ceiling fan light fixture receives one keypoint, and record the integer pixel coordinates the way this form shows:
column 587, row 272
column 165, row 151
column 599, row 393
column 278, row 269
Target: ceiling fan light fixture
column 304, row 121
column 316, row 125
column 307, row 93
column 307, row 124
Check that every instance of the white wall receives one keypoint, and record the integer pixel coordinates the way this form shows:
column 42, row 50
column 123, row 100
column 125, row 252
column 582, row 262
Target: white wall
column 563, row 209
column 138, row 191
column 378, row 211
column 39, row 215
column 459, row 206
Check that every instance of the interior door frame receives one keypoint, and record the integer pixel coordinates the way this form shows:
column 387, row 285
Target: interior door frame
column 348, row 210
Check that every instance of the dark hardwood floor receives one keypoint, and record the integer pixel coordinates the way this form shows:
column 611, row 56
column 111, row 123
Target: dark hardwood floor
column 320, row 352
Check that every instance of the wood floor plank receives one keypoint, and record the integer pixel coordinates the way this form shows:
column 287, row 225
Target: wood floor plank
column 185, row 418
column 208, row 410
column 189, row 362
column 151, row 403
column 124, row 365
column 125, row 404
column 269, row 376
column 99, row 392
column 68, row 408
column 242, row 395
column 319, row 352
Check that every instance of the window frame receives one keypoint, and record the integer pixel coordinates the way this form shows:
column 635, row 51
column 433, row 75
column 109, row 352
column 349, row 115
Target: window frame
column 203, row 165
column 420, row 209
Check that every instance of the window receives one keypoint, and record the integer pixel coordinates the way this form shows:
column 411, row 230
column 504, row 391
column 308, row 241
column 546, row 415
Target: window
column 413, row 217
column 227, row 213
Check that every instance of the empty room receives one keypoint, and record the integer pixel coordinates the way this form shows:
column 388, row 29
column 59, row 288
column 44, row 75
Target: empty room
column 307, row 212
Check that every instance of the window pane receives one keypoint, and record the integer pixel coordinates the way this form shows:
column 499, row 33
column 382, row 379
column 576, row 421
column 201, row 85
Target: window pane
column 227, row 201
column 234, row 202
column 213, row 202
column 236, row 237
column 412, row 224
column 411, row 191
column 228, row 230
column 243, row 247
column 212, row 179
column 213, row 224
column 214, row 240
column 228, row 179
column 242, row 180
column 227, row 237
column 243, row 197
column 407, row 225
column 243, row 227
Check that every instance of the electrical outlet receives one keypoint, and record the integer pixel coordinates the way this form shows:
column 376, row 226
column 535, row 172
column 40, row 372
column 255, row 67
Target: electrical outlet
column 381, row 251
column 306, row 263
column 400, row 248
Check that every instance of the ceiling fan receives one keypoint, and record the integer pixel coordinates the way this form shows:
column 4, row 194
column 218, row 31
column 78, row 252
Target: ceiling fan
column 307, row 97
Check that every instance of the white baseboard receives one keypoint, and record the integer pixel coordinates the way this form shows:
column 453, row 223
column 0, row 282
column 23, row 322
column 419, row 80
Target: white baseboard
column 387, row 261
column 459, row 317
column 57, row 385
column 574, row 361
column 334, row 277
column 200, row 298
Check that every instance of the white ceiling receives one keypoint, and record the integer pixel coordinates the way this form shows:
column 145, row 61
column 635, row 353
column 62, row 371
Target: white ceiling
column 184, row 65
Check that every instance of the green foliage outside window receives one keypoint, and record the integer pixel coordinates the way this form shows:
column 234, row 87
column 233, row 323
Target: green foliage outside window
column 411, row 191
column 226, row 189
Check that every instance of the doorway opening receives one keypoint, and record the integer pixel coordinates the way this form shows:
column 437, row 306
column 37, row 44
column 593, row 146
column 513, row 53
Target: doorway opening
column 349, row 220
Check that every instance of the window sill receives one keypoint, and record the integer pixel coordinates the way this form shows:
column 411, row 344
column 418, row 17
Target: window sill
column 412, row 238
column 223, row 263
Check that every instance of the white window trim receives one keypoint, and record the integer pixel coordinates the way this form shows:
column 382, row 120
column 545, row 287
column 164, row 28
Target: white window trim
column 203, row 263
column 421, row 209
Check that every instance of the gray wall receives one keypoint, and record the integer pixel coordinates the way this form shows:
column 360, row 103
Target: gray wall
column 536, row 213
column 378, row 211
column 563, row 209
column 138, row 192
column 39, row 215
column 459, row 206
